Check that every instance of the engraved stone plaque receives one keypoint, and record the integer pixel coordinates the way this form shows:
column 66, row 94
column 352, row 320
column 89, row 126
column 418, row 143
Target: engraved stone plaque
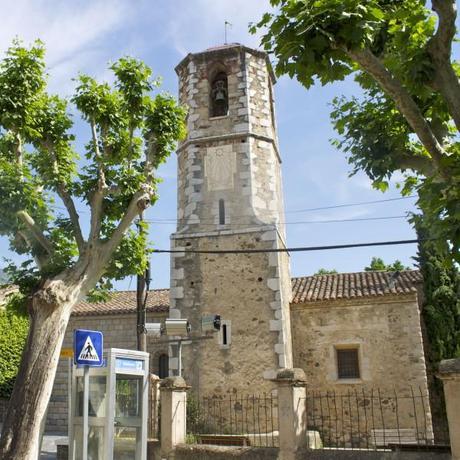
column 219, row 167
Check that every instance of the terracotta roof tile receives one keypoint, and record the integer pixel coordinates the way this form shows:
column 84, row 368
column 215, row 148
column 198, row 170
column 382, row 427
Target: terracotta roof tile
column 124, row 302
column 304, row 289
column 352, row 285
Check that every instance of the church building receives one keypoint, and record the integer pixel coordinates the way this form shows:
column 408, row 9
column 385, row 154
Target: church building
column 350, row 330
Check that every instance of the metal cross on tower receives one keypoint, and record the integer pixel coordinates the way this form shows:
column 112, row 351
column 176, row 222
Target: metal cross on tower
column 225, row 25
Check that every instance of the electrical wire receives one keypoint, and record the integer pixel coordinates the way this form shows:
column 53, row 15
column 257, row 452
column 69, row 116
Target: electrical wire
column 360, row 203
column 358, row 219
column 296, row 249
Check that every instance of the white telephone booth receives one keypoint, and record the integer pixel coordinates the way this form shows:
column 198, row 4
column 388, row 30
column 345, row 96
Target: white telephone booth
column 108, row 408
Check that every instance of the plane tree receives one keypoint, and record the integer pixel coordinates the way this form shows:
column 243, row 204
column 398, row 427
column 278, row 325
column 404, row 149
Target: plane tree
column 406, row 118
column 46, row 185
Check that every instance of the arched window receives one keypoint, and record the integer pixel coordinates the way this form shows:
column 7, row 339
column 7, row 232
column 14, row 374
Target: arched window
column 219, row 95
column 163, row 366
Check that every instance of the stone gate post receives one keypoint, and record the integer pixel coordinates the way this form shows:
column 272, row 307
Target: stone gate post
column 173, row 396
column 449, row 373
column 292, row 416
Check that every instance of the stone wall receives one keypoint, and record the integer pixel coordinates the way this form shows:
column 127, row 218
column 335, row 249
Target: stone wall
column 231, row 163
column 244, row 289
column 119, row 332
column 198, row 452
column 392, row 381
column 386, row 331
column 233, row 157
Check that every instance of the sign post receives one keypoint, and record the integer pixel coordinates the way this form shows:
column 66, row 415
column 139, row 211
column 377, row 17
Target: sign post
column 88, row 352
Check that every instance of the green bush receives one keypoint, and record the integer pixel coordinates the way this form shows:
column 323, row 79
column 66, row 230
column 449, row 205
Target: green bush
column 14, row 326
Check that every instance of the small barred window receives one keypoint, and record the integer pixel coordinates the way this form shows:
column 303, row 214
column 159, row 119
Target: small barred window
column 348, row 363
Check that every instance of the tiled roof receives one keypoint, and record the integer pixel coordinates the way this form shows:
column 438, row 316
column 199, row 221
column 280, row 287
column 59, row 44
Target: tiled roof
column 305, row 289
column 354, row 285
column 124, row 302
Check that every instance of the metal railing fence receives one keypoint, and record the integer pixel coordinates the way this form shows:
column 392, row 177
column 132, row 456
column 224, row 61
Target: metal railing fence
column 233, row 420
column 370, row 419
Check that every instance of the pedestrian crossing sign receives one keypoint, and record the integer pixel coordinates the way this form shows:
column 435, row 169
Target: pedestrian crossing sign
column 88, row 347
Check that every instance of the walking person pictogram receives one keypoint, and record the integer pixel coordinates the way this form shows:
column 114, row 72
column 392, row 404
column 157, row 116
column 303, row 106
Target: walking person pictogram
column 89, row 349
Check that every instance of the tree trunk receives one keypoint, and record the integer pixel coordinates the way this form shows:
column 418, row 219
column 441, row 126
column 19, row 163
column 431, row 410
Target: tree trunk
column 50, row 310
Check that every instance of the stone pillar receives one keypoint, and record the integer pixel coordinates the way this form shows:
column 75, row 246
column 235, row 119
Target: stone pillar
column 154, row 404
column 292, row 416
column 449, row 373
column 173, row 395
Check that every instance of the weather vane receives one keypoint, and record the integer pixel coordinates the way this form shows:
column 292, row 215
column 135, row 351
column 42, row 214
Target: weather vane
column 226, row 24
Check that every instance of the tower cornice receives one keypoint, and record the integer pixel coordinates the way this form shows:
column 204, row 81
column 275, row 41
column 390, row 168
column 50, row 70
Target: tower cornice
column 222, row 50
column 230, row 136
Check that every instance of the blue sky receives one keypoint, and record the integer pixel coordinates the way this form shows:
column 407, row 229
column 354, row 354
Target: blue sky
column 85, row 35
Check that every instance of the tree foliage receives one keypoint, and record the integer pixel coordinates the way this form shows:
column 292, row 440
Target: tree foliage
column 13, row 326
column 326, row 271
column 130, row 134
column 408, row 115
column 441, row 289
column 377, row 264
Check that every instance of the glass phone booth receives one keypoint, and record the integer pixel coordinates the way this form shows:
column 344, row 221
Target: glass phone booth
column 108, row 408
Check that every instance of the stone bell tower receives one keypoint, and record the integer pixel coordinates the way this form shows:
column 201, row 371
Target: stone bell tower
column 230, row 197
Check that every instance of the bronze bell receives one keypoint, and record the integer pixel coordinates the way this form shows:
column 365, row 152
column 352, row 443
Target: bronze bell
column 219, row 95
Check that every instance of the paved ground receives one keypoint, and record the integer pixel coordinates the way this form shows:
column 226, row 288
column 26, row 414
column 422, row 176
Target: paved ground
column 49, row 445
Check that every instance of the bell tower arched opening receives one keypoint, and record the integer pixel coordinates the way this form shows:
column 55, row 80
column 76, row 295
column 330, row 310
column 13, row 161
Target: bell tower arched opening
column 219, row 95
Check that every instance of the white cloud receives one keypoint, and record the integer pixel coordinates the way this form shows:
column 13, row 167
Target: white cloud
column 73, row 32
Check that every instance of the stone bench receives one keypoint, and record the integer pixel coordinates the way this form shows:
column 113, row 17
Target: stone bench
column 224, row 439
column 387, row 436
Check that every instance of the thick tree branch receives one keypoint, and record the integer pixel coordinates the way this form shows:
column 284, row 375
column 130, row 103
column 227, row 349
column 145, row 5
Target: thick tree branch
column 34, row 231
column 421, row 165
column 40, row 258
column 403, row 100
column 18, row 152
column 73, row 214
column 445, row 34
column 445, row 80
column 98, row 195
column 67, row 200
column 139, row 202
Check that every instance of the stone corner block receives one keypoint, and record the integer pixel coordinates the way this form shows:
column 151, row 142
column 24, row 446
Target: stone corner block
column 173, row 383
column 276, row 325
column 449, row 368
column 269, row 374
column 294, row 375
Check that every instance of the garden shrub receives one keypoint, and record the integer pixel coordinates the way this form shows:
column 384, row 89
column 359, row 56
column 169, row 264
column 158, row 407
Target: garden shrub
column 14, row 326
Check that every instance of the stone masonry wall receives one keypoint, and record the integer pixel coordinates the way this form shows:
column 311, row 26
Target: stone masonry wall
column 244, row 289
column 231, row 163
column 388, row 336
column 119, row 332
column 203, row 452
column 233, row 157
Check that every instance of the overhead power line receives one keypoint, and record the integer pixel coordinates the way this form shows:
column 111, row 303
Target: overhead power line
column 358, row 219
column 296, row 249
column 173, row 219
column 353, row 204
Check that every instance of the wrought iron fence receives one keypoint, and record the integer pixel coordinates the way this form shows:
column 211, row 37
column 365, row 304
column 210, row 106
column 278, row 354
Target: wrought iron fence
column 233, row 420
column 371, row 419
